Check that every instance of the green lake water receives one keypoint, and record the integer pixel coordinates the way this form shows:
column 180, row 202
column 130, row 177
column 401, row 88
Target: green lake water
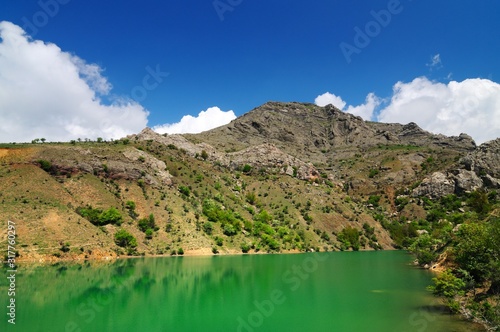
column 337, row 291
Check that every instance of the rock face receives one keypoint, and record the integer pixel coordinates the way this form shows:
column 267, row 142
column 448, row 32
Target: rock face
column 310, row 132
column 269, row 156
column 480, row 168
column 485, row 160
column 437, row 185
column 160, row 175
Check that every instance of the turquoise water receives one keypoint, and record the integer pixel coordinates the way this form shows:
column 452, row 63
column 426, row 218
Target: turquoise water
column 338, row 291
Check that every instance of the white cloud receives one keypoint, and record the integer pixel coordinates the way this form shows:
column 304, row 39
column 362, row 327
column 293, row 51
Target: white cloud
column 435, row 62
column 329, row 98
column 206, row 120
column 471, row 106
column 364, row 110
column 45, row 92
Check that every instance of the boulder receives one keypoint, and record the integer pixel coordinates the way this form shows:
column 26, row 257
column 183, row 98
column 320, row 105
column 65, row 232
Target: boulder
column 435, row 186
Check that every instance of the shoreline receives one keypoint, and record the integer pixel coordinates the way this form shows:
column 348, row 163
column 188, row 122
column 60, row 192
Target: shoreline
column 201, row 252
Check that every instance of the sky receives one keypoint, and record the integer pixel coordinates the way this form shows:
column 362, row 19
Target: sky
column 85, row 69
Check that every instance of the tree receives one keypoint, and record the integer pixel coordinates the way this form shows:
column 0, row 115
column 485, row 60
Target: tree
column 110, row 216
column 474, row 250
column 125, row 239
column 204, row 154
column 349, row 237
column 447, row 285
column 147, row 223
column 43, row 140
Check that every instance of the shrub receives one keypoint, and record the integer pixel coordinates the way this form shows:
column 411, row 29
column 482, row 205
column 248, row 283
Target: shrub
column 349, row 237
column 374, row 200
column 447, row 285
column 373, row 172
column 125, row 239
column 45, row 165
column 184, row 190
column 208, row 228
column 204, row 154
column 147, row 223
column 180, row 251
column 245, row 247
column 247, row 168
column 99, row 217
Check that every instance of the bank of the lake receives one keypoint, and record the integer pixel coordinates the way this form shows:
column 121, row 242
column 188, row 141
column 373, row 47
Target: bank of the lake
column 334, row 291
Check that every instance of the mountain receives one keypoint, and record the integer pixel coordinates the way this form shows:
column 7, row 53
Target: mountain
column 283, row 177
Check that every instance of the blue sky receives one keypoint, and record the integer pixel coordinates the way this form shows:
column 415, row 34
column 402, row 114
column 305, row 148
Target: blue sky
column 239, row 54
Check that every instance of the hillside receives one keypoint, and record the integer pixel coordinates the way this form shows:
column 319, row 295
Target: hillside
column 284, row 177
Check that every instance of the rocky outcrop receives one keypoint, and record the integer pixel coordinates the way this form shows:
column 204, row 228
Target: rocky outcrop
column 313, row 133
column 479, row 169
column 268, row 156
column 485, row 160
column 160, row 175
column 466, row 181
column 435, row 186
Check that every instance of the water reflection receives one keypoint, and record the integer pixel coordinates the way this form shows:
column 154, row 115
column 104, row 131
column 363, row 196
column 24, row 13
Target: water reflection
column 316, row 292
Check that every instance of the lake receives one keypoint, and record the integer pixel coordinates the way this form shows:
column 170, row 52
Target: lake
column 335, row 291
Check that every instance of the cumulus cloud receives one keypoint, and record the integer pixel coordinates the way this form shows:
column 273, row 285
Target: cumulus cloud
column 329, row 98
column 46, row 92
column 364, row 110
column 206, row 120
column 471, row 106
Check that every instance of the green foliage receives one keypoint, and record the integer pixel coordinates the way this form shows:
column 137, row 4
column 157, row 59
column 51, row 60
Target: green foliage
column 423, row 248
column 373, row 172
column 99, row 217
column 208, row 228
column 251, row 198
column 219, row 241
column 184, row 190
column 247, row 169
column 110, row 216
column 477, row 249
column 125, row 239
column 245, row 247
column 147, row 223
column 349, row 237
column 270, row 241
column 263, row 216
column 204, row 154
column 180, row 251
column 374, row 200
column 479, row 202
column 45, row 165
column 230, row 222
column 448, row 285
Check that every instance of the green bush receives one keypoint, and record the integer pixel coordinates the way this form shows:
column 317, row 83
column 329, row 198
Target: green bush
column 247, row 168
column 245, row 247
column 45, row 165
column 447, row 285
column 184, row 190
column 208, row 228
column 349, row 237
column 99, row 217
column 125, row 239
column 147, row 223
